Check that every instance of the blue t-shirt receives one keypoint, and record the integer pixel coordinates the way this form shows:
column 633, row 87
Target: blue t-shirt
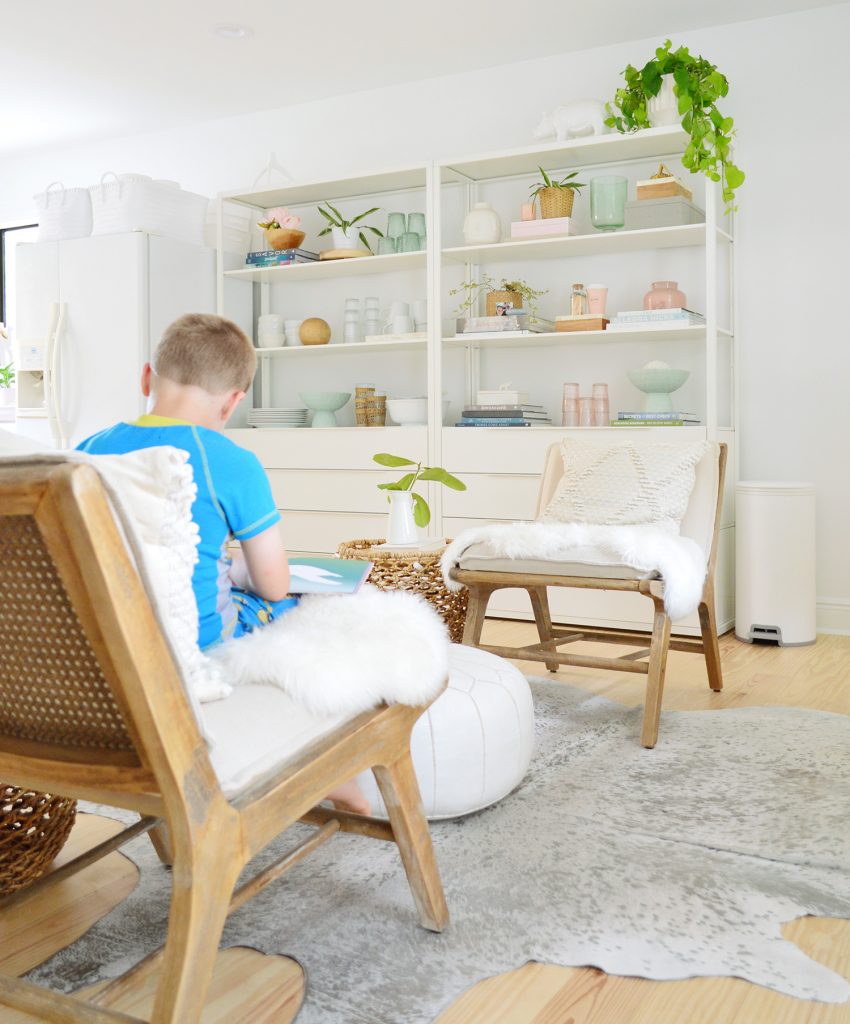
column 234, row 500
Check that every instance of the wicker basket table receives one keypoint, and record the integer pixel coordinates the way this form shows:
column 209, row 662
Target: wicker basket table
column 33, row 829
column 413, row 570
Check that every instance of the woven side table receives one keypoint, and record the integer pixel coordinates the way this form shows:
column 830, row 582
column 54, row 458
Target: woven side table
column 414, row 570
column 33, row 829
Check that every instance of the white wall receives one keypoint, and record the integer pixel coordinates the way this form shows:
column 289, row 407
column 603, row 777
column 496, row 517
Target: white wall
column 788, row 77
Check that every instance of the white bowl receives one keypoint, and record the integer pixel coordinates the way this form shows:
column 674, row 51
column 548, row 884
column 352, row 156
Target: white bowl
column 408, row 412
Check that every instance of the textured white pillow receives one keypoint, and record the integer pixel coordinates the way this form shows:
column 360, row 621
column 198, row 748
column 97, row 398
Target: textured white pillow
column 624, row 483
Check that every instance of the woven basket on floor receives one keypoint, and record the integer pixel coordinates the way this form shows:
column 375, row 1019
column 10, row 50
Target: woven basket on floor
column 33, row 829
column 413, row 570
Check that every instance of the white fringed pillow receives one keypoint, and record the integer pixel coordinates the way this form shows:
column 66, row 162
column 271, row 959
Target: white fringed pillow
column 624, row 483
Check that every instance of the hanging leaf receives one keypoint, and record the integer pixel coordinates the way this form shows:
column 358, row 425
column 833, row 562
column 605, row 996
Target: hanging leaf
column 404, row 484
column 421, row 512
column 366, row 214
column 383, row 459
column 442, row 477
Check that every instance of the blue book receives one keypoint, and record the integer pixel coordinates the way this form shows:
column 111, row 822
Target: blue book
column 657, row 416
column 327, row 575
column 273, row 254
column 493, row 422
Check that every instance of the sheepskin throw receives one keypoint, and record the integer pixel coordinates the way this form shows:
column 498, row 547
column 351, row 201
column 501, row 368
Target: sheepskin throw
column 624, row 484
column 679, row 560
column 345, row 654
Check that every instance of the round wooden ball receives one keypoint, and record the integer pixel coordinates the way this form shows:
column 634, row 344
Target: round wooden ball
column 315, row 331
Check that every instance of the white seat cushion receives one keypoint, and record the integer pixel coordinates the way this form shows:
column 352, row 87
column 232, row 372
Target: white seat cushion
column 258, row 729
column 591, row 562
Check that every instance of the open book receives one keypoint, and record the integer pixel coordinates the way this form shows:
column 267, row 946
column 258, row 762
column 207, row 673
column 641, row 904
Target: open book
column 327, row 575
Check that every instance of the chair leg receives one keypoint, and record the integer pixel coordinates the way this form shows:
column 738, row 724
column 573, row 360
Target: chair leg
column 478, row 600
column 206, row 868
column 710, row 646
column 400, row 790
column 655, row 680
column 162, row 844
column 540, row 606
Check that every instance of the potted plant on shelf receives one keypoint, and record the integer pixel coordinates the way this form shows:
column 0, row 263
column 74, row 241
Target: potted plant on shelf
column 407, row 508
column 675, row 86
column 283, row 229
column 556, row 197
column 7, row 392
column 346, row 233
column 519, row 294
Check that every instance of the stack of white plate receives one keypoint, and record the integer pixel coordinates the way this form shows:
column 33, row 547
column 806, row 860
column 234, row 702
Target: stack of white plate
column 291, row 417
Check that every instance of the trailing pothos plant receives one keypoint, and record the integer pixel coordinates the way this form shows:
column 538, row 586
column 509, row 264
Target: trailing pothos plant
column 421, row 511
column 697, row 85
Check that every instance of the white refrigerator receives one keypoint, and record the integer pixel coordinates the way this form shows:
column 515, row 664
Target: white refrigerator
column 89, row 313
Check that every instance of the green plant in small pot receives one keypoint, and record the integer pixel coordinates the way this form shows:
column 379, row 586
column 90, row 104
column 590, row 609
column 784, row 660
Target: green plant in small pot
column 346, row 233
column 518, row 293
column 7, row 376
column 408, row 509
column 678, row 87
column 7, row 395
column 555, row 195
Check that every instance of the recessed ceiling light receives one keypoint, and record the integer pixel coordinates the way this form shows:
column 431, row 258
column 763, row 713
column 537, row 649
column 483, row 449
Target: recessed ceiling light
column 232, row 31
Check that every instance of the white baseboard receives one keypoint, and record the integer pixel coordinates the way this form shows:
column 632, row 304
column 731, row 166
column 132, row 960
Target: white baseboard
column 833, row 615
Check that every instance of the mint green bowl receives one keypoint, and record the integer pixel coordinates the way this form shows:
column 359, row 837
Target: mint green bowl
column 658, row 384
column 323, row 405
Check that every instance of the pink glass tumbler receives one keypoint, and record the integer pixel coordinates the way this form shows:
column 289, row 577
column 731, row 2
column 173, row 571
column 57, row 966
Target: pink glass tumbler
column 570, row 406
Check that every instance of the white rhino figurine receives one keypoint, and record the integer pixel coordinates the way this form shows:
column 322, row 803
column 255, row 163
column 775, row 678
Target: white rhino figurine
column 570, row 120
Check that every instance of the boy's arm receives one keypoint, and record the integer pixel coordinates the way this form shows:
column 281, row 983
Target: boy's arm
column 263, row 567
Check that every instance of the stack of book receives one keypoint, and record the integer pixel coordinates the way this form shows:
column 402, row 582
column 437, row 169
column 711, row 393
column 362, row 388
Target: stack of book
column 656, row 419
column 280, row 257
column 656, row 319
column 503, row 415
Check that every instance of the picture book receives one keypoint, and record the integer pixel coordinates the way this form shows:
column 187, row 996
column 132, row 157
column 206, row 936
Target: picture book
column 327, row 575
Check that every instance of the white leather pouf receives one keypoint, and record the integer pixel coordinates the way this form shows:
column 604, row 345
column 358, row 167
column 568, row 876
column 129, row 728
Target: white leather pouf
column 474, row 744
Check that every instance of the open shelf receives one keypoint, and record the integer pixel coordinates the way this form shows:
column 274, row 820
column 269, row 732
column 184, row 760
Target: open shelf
column 401, row 180
column 352, row 347
column 589, row 151
column 580, row 245
column 696, row 333
column 323, row 270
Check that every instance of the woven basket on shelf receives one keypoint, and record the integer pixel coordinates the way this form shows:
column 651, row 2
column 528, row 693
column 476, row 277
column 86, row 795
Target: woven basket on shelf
column 33, row 829
column 418, row 571
column 497, row 296
column 556, row 202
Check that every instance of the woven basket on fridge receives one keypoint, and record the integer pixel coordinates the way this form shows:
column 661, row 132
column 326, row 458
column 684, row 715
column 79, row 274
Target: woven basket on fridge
column 33, row 829
column 556, row 202
column 418, row 571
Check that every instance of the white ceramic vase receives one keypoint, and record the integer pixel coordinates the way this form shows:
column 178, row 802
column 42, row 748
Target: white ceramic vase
column 664, row 108
column 482, row 225
column 402, row 528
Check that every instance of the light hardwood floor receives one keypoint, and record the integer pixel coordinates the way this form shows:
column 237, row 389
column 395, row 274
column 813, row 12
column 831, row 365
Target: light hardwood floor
column 815, row 677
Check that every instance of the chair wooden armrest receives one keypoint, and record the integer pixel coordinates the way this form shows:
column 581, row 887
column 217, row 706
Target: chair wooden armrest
column 92, row 706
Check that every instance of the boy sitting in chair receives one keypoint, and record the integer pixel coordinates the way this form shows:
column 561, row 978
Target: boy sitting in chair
column 200, row 372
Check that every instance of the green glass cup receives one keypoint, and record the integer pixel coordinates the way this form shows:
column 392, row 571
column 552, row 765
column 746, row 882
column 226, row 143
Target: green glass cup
column 410, row 242
column 416, row 222
column 396, row 225
column 608, row 202
column 386, row 246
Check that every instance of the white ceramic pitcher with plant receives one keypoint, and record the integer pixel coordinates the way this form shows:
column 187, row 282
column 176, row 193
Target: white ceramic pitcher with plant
column 409, row 511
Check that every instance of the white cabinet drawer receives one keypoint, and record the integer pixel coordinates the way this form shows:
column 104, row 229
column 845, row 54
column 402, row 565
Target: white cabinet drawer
column 488, row 496
column 325, row 531
column 324, row 490
column 330, row 448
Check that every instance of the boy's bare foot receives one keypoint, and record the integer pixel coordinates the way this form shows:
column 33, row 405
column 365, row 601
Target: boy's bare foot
column 349, row 797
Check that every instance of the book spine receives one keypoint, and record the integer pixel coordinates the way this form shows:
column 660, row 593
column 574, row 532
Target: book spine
column 494, row 421
column 656, row 416
column 513, row 423
column 652, row 423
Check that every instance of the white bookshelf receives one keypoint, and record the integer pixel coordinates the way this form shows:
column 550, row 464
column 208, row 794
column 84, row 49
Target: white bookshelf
column 501, row 466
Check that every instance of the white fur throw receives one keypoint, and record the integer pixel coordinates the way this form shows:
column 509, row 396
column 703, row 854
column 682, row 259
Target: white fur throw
column 345, row 654
column 679, row 560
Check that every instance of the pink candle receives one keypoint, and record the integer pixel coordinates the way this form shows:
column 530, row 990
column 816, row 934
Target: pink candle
column 597, row 295
column 527, row 211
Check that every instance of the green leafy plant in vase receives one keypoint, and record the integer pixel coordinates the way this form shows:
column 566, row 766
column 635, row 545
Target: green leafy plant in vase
column 347, row 232
column 678, row 86
column 517, row 292
column 555, row 195
column 7, row 376
column 408, row 509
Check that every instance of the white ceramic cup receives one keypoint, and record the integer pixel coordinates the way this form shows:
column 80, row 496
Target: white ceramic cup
column 399, row 309
column 401, row 324
column 270, row 338
column 419, row 310
column 372, row 302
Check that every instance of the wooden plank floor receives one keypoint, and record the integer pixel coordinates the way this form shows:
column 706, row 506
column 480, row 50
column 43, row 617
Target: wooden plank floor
column 816, row 677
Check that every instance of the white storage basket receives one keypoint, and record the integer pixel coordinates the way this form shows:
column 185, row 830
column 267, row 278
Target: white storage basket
column 133, row 203
column 63, row 213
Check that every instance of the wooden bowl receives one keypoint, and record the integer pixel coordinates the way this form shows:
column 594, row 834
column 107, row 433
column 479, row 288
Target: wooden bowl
column 284, row 238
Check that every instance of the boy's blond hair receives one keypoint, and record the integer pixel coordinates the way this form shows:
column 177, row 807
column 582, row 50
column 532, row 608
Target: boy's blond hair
column 206, row 351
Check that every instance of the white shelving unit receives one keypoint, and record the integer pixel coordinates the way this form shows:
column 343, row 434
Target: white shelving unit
column 326, row 480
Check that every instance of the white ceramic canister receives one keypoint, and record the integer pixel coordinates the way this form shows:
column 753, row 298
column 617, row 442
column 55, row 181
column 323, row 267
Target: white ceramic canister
column 664, row 108
column 482, row 225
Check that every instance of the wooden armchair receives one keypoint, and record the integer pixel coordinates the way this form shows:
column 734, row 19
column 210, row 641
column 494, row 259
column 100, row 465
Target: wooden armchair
column 484, row 575
column 92, row 706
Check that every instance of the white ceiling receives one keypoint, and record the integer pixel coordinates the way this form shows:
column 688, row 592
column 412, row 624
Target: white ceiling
column 72, row 72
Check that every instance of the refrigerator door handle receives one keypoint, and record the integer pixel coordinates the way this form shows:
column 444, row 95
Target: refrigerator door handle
column 53, row 395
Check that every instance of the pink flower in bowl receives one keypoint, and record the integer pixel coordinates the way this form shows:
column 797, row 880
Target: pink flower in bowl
column 280, row 217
